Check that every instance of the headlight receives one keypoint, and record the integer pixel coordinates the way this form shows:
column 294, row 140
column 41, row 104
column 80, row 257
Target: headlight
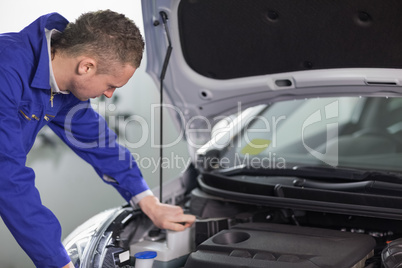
column 78, row 244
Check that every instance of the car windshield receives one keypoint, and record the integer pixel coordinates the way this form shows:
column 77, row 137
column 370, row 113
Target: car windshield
column 348, row 132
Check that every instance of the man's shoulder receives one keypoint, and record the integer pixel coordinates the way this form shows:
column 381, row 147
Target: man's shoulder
column 14, row 50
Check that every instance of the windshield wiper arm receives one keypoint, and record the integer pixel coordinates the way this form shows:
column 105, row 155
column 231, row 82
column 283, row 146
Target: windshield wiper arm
column 357, row 174
column 318, row 172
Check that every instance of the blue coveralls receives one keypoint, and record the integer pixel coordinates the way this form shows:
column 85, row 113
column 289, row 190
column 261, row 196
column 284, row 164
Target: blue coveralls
column 25, row 107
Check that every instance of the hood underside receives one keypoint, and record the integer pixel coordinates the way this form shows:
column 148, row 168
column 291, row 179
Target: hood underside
column 238, row 38
column 237, row 51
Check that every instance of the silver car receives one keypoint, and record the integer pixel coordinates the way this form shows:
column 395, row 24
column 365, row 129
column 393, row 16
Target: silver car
column 292, row 113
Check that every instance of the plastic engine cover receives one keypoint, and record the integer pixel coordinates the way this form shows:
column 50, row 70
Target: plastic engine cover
column 275, row 245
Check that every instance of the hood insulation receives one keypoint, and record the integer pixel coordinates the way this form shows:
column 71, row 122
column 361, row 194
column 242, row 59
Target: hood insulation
column 241, row 38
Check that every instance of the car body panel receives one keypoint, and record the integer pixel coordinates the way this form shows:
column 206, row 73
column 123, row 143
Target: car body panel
column 197, row 94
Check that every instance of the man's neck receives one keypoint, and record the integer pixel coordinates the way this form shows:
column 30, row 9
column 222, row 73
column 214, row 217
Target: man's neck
column 63, row 67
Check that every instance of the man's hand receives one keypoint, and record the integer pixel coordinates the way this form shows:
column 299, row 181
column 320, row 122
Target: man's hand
column 165, row 216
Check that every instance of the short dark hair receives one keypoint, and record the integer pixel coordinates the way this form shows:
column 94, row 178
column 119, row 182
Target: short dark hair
column 107, row 36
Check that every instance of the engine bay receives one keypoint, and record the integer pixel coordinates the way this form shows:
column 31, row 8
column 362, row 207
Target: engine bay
column 289, row 237
column 233, row 230
column 233, row 234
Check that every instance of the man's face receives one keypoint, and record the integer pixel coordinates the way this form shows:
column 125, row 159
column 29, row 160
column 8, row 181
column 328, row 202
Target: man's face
column 95, row 85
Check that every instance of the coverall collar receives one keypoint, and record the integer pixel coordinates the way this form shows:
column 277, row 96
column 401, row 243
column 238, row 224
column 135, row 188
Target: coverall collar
column 49, row 21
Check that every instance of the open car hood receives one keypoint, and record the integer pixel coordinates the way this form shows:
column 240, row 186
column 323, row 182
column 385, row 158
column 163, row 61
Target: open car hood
column 231, row 53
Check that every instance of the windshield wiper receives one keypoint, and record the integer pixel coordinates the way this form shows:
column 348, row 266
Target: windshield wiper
column 356, row 174
column 316, row 172
column 327, row 178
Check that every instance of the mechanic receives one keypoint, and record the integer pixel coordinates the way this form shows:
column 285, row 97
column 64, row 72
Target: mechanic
column 48, row 73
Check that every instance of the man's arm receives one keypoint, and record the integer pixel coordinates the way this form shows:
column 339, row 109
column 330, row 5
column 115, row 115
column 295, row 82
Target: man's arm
column 91, row 139
column 87, row 134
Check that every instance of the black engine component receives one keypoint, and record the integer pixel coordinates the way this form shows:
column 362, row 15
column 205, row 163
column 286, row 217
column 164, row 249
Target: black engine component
column 392, row 255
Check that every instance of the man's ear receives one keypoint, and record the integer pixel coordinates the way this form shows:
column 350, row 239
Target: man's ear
column 87, row 65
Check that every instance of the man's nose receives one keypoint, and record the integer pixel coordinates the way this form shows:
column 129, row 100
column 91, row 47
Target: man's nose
column 109, row 93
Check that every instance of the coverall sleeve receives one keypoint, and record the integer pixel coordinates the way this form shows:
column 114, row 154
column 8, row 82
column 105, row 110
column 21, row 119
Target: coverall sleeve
column 87, row 134
column 35, row 227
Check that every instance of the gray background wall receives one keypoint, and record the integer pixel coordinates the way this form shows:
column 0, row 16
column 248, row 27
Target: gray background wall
column 68, row 185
